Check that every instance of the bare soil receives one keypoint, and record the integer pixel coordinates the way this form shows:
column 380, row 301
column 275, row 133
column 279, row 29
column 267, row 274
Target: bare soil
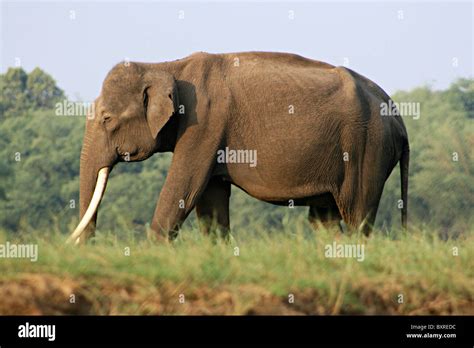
column 45, row 294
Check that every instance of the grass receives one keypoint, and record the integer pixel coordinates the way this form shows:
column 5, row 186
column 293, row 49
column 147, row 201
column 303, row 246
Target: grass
column 254, row 273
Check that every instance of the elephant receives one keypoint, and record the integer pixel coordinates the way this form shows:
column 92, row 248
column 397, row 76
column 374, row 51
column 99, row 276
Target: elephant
column 314, row 130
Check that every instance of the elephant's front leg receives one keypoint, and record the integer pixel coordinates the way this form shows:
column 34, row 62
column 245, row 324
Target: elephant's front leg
column 212, row 208
column 187, row 178
column 178, row 198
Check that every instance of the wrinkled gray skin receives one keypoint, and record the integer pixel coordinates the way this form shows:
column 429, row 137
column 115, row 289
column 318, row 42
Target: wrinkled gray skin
column 317, row 130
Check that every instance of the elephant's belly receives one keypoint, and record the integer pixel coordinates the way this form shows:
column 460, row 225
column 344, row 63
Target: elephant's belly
column 284, row 195
column 324, row 200
column 279, row 189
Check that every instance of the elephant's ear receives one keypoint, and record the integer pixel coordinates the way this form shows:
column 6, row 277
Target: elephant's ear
column 160, row 100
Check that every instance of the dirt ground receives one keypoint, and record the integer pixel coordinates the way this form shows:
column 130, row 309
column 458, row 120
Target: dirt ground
column 44, row 294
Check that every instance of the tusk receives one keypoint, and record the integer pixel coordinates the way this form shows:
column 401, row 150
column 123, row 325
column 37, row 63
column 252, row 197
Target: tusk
column 93, row 205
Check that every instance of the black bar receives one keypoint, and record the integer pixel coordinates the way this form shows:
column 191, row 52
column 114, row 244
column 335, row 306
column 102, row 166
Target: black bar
column 241, row 329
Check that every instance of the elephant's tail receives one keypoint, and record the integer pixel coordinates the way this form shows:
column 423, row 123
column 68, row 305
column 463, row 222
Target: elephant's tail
column 404, row 162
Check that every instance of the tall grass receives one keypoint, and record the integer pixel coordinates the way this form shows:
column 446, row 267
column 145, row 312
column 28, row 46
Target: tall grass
column 402, row 272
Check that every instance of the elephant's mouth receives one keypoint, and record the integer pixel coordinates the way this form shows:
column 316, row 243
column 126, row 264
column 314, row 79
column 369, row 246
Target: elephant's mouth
column 128, row 156
column 93, row 205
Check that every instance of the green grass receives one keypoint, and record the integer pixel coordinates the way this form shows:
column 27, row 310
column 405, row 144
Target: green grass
column 418, row 265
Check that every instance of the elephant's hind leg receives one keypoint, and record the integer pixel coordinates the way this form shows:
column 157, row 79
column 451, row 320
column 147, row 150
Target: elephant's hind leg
column 212, row 209
column 326, row 217
column 360, row 209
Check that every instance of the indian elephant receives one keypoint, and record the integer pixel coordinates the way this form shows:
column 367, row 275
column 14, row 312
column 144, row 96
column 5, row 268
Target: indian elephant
column 315, row 131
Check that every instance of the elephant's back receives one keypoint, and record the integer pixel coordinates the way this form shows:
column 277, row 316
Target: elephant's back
column 273, row 58
column 275, row 70
column 279, row 92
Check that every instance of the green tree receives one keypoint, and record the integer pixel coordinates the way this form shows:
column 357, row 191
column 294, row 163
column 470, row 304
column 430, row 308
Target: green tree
column 461, row 94
column 21, row 92
column 13, row 97
column 42, row 90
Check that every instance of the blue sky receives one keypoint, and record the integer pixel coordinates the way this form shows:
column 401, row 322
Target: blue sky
column 399, row 45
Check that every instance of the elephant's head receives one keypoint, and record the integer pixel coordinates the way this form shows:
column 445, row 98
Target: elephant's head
column 136, row 102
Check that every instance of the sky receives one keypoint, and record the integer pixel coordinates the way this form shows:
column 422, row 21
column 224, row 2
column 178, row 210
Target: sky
column 399, row 45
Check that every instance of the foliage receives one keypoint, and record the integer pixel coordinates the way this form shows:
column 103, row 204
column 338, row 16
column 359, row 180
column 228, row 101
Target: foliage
column 21, row 92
